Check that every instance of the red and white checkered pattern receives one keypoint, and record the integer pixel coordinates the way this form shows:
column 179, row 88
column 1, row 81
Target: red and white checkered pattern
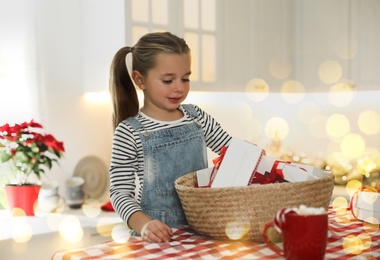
column 364, row 244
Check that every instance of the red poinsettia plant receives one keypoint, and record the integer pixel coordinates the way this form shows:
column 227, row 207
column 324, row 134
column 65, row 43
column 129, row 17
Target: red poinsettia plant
column 28, row 150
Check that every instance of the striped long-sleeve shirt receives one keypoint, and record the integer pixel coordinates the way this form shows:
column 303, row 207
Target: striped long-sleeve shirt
column 127, row 161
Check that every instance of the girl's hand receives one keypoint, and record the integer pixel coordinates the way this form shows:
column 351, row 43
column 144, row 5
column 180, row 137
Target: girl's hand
column 157, row 232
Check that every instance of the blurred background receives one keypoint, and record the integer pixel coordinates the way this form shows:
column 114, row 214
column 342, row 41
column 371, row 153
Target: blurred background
column 297, row 77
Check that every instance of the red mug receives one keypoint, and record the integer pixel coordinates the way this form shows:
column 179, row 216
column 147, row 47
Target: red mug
column 303, row 236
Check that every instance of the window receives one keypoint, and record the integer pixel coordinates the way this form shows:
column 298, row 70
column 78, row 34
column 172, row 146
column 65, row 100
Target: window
column 199, row 26
column 194, row 20
column 148, row 16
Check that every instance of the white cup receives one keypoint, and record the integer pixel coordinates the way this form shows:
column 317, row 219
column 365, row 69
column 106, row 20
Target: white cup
column 48, row 198
column 74, row 192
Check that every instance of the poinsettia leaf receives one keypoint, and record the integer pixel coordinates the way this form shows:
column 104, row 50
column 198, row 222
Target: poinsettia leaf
column 47, row 162
column 4, row 157
column 21, row 157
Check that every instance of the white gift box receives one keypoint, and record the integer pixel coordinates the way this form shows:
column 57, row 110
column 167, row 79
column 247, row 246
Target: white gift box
column 311, row 170
column 239, row 162
column 369, row 216
column 366, row 206
column 203, row 177
column 368, row 200
column 294, row 173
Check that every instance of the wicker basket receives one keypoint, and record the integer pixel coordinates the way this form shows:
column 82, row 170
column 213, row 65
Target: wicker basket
column 241, row 212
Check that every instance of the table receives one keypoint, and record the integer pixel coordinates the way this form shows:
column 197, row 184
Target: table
column 39, row 237
column 348, row 239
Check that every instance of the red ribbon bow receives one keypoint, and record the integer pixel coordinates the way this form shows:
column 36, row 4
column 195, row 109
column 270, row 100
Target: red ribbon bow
column 217, row 161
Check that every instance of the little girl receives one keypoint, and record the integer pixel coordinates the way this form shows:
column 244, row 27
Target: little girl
column 159, row 142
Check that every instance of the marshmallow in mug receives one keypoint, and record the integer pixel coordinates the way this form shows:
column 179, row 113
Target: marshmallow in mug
column 304, row 210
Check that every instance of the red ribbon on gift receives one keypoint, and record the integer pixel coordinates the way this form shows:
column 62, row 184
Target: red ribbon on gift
column 217, row 161
column 258, row 179
column 275, row 175
column 275, row 172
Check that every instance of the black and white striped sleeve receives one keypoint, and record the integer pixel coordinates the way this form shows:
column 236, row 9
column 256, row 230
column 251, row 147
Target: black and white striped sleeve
column 123, row 169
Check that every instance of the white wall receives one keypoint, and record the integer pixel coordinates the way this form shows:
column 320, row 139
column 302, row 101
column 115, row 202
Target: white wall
column 86, row 128
column 17, row 61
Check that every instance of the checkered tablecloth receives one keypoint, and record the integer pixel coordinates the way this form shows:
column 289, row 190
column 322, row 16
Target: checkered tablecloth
column 348, row 239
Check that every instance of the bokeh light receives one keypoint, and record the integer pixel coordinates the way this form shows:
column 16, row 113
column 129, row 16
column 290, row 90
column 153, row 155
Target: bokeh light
column 369, row 122
column 369, row 162
column 337, row 125
column 353, row 145
column 366, row 165
column 339, row 163
column 293, row 86
column 366, row 240
column 353, row 186
column 257, row 89
column 330, row 71
column 341, row 94
column 22, row 232
column 292, row 91
column 343, row 216
column 352, row 244
column 91, row 208
column 281, row 67
column 237, row 230
column 120, row 233
column 339, row 204
column 18, row 212
column 104, row 226
column 70, row 229
column 276, row 129
column 371, row 226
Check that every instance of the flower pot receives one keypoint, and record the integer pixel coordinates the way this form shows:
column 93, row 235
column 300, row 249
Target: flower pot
column 23, row 197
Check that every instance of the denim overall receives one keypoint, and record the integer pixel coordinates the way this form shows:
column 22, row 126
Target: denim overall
column 168, row 155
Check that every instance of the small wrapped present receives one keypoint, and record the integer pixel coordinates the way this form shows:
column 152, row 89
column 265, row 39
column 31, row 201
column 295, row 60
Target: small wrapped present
column 365, row 205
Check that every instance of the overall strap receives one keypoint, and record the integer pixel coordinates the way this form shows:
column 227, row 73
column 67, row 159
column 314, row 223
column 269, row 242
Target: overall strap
column 134, row 123
column 191, row 110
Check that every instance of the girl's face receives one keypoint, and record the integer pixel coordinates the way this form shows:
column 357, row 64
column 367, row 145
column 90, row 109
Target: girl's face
column 165, row 86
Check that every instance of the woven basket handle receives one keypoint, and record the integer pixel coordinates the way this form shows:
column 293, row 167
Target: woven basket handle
column 269, row 243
